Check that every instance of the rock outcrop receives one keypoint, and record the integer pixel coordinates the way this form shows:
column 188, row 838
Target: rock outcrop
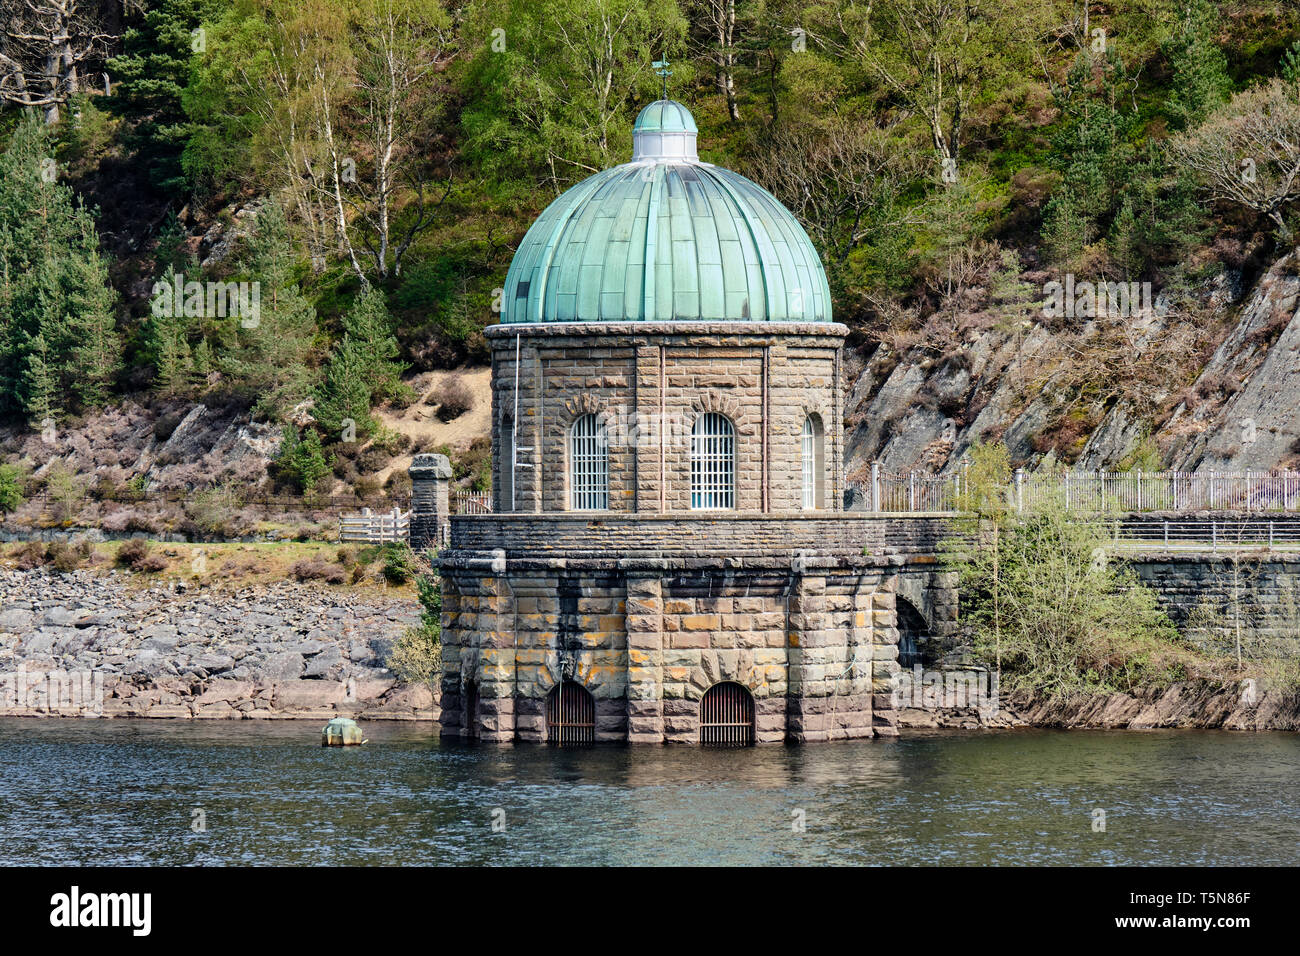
column 1020, row 383
column 1196, row 705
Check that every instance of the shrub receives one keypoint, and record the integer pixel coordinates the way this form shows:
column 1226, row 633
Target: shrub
column 317, row 569
column 301, row 460
column 399, row 483
column 64, row 557
column 131, row 552
column 474, row 463
column 399, row 562
column 211, row 510
column 403, row 396
column 1052, row 614
column 373, row 459
column 152, row 564
column 391, row 441
column 454, row 399
column 366, row 488
column 137, row 555
column 137, row 523
column 416, row 656
column 65, row 488
column 30, row 554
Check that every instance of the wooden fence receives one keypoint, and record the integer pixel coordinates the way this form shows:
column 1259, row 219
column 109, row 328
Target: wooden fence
column 471, row 503
column 375, row 528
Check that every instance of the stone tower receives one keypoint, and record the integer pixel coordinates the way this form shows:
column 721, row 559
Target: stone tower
column 666, row 559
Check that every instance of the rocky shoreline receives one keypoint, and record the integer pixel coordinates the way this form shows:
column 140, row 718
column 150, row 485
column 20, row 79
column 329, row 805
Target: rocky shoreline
column 1192, row 705
column 96, row 644
column 86, row 644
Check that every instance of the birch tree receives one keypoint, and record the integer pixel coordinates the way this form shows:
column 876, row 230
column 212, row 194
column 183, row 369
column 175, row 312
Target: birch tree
column 401, row 45
column 716, row 40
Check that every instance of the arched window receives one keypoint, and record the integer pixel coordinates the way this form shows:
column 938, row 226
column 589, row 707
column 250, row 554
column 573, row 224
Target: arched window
column 570, row 715
column 727, row 716
column 814, row 464
column 713, row 462
column 588, row 465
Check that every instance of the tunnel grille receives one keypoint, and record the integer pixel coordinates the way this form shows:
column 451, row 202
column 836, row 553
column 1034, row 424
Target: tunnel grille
column 727, row 716
column 570, row 716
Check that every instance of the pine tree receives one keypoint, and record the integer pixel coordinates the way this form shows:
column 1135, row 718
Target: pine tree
column 173, row 363
column 1200, row 81
column 40, row 384
column 301, row 459
column 1290, row 72
column 55, row 299
column 96, row 349
column 362, row 366
column 202, row 365
column 150, row 76
column 345, row 394
column 271, row 356
column 370, row 328
column 1124, row 241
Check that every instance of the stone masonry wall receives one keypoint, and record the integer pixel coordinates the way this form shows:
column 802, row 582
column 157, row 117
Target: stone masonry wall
column 648, row 382
column 700, row 535
column 1211, row 592
column 816, row 647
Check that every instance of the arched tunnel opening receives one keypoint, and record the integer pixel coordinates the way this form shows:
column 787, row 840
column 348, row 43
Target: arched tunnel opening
column 913, row 636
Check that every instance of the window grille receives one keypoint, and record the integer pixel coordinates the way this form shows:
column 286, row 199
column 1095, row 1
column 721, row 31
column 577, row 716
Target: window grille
column 588, row 465
column 713, row 462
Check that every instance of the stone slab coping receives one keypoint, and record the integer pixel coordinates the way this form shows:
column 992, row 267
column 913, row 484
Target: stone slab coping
column 648, row 517
column 759, row 329
column 1202, row 553
column 652, row 562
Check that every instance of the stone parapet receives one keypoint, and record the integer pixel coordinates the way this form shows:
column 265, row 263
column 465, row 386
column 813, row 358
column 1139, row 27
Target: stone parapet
column 694, row 534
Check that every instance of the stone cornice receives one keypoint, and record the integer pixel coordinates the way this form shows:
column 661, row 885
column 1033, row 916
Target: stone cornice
column 754, row 329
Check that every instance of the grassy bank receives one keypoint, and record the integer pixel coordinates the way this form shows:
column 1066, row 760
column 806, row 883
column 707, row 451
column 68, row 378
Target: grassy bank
column 385, row 569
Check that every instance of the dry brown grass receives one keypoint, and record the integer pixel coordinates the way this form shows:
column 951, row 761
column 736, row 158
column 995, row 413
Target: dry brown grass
column 233, row 566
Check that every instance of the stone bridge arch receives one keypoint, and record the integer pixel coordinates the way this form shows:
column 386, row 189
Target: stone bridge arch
column 926, row 613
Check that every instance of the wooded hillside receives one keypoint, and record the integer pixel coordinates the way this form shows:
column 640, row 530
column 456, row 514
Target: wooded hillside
column 372, row 164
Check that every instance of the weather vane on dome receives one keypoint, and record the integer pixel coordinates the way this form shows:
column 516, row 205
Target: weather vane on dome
column 661, row 68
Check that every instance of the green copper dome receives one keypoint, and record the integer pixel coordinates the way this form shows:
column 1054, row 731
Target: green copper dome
column 666, row 237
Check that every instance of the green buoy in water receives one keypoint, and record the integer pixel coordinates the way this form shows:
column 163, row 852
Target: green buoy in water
column 341, row 732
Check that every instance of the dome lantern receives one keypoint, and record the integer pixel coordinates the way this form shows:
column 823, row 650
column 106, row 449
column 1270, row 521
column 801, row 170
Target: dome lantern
column 664, row 132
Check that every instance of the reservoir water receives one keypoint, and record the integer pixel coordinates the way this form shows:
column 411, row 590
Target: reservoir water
column 134, row 792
